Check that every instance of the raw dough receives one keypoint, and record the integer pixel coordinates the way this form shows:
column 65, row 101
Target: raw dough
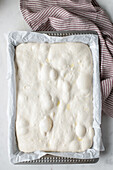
column 54, row 97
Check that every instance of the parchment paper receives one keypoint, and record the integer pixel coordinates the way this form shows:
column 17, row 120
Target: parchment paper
column 14, row 39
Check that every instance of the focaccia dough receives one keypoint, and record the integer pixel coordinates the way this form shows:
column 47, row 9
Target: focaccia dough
column 54, row 97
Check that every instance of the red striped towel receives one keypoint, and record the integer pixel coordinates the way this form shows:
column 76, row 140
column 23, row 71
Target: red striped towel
column 45, row 15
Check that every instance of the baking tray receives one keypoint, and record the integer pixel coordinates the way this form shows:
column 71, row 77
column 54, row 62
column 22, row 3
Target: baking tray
column 66, row 33
column 49, row 159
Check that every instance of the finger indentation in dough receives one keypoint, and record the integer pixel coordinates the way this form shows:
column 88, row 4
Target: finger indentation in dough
column 74, row 145
column 84, row 82
column 66, row 86
column 23, row 131
column 53, row 74
column 55, row 100
column 65, row 97
column 45, row 72
column 62, row 63
column 90, row 132
column 46, row 124
column 86, row 143
column 46, row 101
column 80, row 130
column 22, row 122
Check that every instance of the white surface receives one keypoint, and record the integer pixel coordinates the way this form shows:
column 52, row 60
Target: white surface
column 11, row 20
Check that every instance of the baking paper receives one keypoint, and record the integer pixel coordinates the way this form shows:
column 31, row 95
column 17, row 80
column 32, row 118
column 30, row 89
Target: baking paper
column 14, row 39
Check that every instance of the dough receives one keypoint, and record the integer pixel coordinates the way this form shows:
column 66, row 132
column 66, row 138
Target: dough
column 54, row 97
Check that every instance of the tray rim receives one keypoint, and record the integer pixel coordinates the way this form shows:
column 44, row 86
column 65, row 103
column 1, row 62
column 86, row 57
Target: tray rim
column 67, row 33
column 57, row 160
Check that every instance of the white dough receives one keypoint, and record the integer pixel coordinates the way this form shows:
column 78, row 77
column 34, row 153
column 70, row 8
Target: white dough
column 84, row 82
column 46, row 101
column 45, row 72
column 66, row 86
column 80, row 130
column 53, row 74
column 46, row 124
column 54, row 97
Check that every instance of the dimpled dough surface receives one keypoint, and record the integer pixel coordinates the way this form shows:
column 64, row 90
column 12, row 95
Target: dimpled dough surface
column 54, row 97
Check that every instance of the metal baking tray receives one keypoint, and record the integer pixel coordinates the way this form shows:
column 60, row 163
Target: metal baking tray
column 49, row 159
column 66, row 33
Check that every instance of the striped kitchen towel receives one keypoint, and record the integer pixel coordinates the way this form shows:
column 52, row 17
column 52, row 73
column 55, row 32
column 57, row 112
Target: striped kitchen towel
column 52, row 15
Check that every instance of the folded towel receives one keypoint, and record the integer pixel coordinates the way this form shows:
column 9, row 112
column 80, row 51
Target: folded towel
column 52, row 15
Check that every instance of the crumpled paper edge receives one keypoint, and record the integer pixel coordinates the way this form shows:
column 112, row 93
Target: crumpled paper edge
column 14, row 39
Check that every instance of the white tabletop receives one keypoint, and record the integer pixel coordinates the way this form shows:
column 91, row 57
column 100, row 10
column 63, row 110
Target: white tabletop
column 11, row 20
